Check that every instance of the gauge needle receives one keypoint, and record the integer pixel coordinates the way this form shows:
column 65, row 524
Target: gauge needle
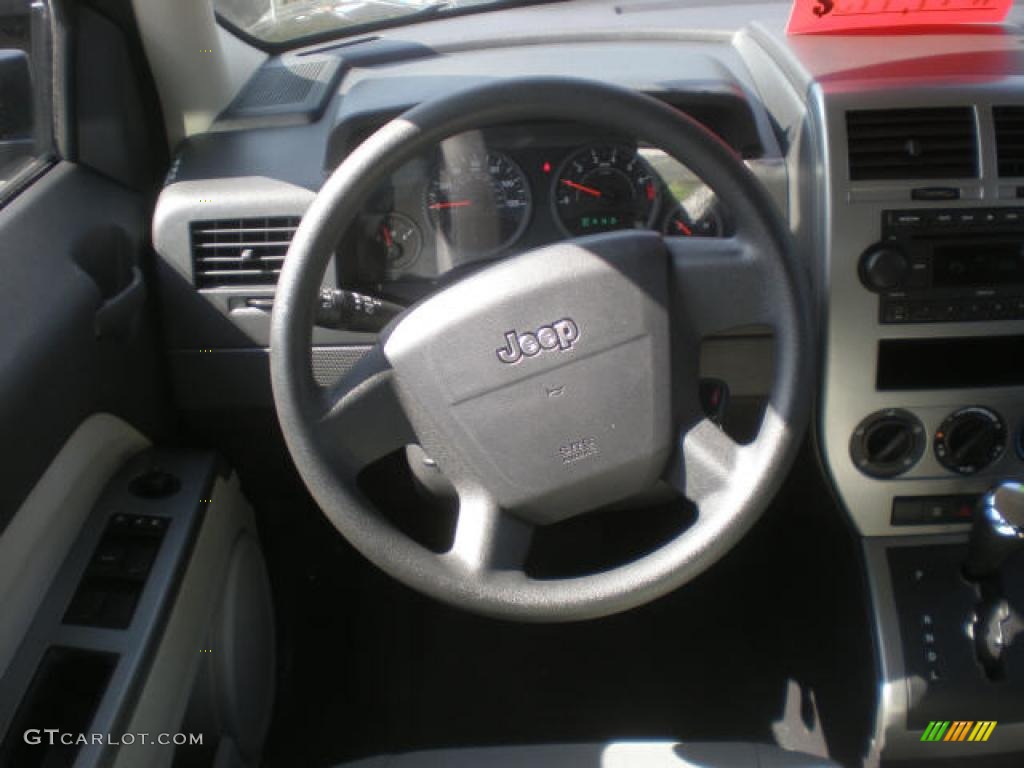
column 387, row 236
column 683, row 228
column 588, row 190
column 452, row 204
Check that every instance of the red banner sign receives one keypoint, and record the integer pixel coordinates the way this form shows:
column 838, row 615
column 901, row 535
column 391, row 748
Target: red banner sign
column 813, row 16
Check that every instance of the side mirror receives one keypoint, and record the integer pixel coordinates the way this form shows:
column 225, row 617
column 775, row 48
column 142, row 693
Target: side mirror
column 16, row 107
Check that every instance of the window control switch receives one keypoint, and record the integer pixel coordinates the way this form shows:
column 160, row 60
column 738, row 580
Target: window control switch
column 119, row 607
column 118, row 571
column 138, row 561
column 108, row 557
column 85, row 607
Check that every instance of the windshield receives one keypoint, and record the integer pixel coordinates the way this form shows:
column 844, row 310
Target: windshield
column 284, row 21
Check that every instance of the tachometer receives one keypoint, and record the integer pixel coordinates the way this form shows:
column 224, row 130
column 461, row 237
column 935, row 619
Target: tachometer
column 601, row 188
column 479, row 202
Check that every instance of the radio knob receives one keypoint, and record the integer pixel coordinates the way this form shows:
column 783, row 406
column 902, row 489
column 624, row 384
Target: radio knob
column 883, row 268
column 970, row 439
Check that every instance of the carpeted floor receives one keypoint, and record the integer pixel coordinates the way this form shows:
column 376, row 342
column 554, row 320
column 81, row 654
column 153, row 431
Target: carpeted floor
column 368, row 666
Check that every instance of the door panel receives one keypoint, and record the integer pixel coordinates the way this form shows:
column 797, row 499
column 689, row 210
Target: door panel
column 59, row 237
column 76, row 331
column 80, row 373
column 83, row 389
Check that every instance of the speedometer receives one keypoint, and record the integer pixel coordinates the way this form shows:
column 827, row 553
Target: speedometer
column 601, row 188
column 479, row 202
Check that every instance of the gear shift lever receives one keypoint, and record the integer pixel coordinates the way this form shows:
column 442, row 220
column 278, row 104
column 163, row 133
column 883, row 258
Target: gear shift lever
column 998, row 530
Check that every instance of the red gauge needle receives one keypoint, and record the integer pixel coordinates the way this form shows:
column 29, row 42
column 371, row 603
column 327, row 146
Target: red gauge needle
column 453, row 204
column 683, row 228
column 588, row 190
column 387, row 236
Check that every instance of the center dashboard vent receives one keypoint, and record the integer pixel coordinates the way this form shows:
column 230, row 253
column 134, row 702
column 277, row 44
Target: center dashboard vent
column 229, row 252
column 897, row 144
column 1010, row 140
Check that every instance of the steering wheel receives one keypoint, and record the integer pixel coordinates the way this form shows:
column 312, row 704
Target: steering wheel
column 555, row 381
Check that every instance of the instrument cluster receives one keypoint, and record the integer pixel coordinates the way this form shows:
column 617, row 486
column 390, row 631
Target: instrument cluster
column 487, row 195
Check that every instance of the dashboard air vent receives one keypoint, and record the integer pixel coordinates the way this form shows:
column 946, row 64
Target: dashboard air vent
column 894, row 144
column 1010, row 140
column 240, row 251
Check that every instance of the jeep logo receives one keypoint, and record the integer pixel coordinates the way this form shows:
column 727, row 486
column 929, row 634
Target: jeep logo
column 560, row 335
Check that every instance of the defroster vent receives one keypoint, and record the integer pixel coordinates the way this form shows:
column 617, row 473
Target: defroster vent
column 898, row 144
column 240, row 251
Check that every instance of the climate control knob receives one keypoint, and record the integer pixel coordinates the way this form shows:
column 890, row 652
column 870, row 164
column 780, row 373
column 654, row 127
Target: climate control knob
column 970, row 439
column 887, row 443
column 883, row 267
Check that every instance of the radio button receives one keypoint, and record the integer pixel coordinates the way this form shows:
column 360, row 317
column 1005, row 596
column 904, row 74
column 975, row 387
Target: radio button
column 919, row 277
column 951, row 311
column 922, row 312
column 907, row 219
column 974, row 310
column 943, row 219
column 1011, row 217
column 895, row 312
column 967, row 218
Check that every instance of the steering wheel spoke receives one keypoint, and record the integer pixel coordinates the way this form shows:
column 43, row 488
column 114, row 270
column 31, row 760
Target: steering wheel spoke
column 360, row 418
column 488, row 539
column 720, row 283
column 707, row 462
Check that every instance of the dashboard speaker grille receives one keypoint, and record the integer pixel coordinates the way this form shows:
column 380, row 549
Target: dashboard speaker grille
column 898, row 144
column 240, row 251
column 279, row 86
column 1010, row 140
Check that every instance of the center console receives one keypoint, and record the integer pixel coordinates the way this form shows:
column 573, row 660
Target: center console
column 923, row 393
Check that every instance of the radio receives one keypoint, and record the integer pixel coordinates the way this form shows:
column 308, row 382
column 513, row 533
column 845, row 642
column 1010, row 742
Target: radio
column 947, row 266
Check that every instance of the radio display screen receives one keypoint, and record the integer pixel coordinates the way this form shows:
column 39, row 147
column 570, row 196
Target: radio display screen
column 978, row 263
